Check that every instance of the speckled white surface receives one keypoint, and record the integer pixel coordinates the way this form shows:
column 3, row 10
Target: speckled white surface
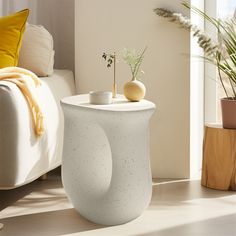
column 105, row 168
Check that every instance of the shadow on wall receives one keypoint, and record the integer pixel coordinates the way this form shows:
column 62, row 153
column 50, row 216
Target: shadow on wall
column 58, row 17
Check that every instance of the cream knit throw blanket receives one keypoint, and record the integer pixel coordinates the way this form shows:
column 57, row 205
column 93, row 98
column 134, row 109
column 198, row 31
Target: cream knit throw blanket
column 25, row 79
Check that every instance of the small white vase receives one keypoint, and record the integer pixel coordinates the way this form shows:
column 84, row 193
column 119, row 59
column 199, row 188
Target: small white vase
column 134, row 90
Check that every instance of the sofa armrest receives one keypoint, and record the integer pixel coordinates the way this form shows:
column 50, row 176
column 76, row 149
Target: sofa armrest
column 25, row 157
column 12, row 108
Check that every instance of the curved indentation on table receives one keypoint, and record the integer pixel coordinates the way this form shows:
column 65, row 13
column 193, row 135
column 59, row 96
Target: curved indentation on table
column 105, row 169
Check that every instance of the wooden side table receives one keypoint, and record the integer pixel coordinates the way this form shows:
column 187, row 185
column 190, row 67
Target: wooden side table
column 105, row 166
column 219, row 158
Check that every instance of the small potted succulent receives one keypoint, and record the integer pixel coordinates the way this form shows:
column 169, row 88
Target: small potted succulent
column 134, row 90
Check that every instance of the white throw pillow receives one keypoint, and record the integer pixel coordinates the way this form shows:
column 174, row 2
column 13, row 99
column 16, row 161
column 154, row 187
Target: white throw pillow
column 36, row 53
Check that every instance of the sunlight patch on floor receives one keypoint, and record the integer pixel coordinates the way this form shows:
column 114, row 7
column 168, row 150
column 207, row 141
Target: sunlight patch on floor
column 178, row 207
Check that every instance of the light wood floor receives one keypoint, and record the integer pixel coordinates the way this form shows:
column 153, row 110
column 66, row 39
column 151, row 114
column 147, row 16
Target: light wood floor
column 178, row 208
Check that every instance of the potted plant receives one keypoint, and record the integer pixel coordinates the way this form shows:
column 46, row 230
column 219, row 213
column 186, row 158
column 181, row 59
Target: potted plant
column 134, row 90
column 221, row 53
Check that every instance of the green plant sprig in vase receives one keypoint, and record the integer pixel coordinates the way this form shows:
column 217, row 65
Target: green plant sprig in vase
column 134, row 90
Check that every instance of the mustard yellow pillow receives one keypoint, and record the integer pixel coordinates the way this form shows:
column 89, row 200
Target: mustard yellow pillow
column 11, row 30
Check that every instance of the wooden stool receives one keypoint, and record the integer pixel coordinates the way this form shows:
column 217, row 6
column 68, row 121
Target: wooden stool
column 219, row 158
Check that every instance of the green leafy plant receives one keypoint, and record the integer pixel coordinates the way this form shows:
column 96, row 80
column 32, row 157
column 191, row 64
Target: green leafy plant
column 221, row 53
column 134, row 60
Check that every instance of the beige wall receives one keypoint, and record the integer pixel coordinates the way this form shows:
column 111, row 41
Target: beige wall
column 110, row 25
column 58, row 17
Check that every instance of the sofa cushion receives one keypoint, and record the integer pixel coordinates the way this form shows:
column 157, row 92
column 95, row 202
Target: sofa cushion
column 37, row 54
column 11, row 30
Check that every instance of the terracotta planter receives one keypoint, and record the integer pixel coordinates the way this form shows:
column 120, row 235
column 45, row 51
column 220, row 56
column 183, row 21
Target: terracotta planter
column 228, row 108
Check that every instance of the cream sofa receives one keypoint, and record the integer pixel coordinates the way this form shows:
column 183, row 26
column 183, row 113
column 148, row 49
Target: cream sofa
column 23, row 156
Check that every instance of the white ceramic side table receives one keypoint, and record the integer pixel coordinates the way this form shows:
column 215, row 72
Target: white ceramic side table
column 105, row 167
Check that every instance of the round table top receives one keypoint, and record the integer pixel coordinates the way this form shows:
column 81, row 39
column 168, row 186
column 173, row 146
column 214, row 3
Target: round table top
column 120, row 103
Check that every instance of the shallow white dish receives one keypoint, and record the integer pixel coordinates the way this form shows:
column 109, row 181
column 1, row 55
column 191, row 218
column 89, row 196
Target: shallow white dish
column 100, row 97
